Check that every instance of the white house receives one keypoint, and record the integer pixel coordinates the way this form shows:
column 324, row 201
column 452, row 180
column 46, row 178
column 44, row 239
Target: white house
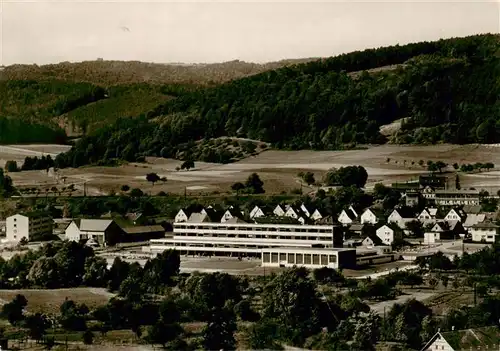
column 103, row 231
column 181, row 216
column 485, row 231
column 387, row 234
column 400, row 218
column 279, row 211
column 369, row 217
column 230, row 214
column 28, row 225
column 295, row 213
column 316, row 215
column 427, row 215
column 347, row 216
column 455, row 215
column 257, row 212
column 306, row 211
column 484, row 338
column 473, row 219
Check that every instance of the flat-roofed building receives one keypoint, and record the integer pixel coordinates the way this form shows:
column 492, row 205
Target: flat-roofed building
column 29, row 225
column 246, row 239
column 308, row 257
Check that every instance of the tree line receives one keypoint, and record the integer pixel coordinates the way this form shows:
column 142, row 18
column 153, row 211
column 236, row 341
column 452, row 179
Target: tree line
column 322, row 309
column 446, row 88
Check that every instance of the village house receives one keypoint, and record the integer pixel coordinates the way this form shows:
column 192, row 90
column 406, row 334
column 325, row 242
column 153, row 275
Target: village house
column 486, row 338
column 372, row 241
column 347, row 216
column 182, row 215
column 143, row 233
column 484, row 232
column 452, row 197
column 29, row 225
column 428, row 215
column 296, row 213
column 388, row 235
column 370, row 216
column 401, row 216
column 103, row 231
column 229, row 214
column 258, row 212
column 455, row 214
column 279, row 211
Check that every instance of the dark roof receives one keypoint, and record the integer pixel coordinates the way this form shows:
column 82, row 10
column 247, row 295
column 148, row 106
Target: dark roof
column 376, row 240
column 478, row 338
column 276, row 220
column 405, row 212
column 350, row 213
column 35, row 214
column 356, row 227
column 474, row 209
column 144, row 229
column 133, row 216
column 485, row 225
column 213, row 214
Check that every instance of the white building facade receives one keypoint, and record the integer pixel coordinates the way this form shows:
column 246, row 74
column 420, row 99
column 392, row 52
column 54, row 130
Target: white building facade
column 28, row 226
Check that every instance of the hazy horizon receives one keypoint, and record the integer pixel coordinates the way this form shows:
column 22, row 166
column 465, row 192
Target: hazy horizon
column 48, row 31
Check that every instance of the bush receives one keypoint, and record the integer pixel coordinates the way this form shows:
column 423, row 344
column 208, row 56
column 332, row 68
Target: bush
column 136, row 192
column 125, row 188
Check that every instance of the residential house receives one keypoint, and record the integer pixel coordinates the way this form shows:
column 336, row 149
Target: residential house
column 296, row 213
column 485, row 231
column 370, row 216
column 347, row 216
column 401, row 216
column 387, row 234
column 182, row 215
column 229, row 214
column 279, row 211
column 103, row 231
column 485, row 338
column 257, row 212
column 310, row 213
column 212, row 214
column 473, row 219
column 29, row 225
column 455, row 214
column 316, row 215
column 371, row 241
column 428, row 215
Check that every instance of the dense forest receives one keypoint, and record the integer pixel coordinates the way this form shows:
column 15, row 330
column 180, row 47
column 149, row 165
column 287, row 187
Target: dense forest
column 446, row 91
column 49, row 110
column 443, row 91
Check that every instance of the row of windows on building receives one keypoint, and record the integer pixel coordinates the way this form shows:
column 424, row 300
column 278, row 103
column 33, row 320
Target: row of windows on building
column 298, row 258
column 259, row 229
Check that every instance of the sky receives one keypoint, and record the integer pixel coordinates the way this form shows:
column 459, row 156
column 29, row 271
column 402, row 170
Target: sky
column 47, row 31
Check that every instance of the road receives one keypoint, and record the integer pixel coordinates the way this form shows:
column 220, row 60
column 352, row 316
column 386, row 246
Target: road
column 381, row 274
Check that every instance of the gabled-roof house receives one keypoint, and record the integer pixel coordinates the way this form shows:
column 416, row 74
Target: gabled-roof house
column 455, row 214
column 371, row 240
column 279, row 210
column 229, row 214
column 182, row 215
column 484, row 232
column 486, row 338
column 427, row 215
column 387, row 234
column 259, row 211
column 103, row 231
column 370, row 216
column 347, row 216
column 401, row 216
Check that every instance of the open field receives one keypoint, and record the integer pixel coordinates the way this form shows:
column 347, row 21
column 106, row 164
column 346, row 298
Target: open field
column 49, row 300
column 278, row 169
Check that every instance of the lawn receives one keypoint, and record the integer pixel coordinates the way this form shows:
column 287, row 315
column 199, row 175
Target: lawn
column 49, row 300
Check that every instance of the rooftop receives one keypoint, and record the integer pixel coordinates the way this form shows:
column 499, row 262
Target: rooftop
column 144, row 229
column 93, row 225
column 479, row 338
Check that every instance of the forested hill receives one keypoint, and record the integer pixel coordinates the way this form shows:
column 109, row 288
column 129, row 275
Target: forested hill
column 109, row 73
column 446, row 91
